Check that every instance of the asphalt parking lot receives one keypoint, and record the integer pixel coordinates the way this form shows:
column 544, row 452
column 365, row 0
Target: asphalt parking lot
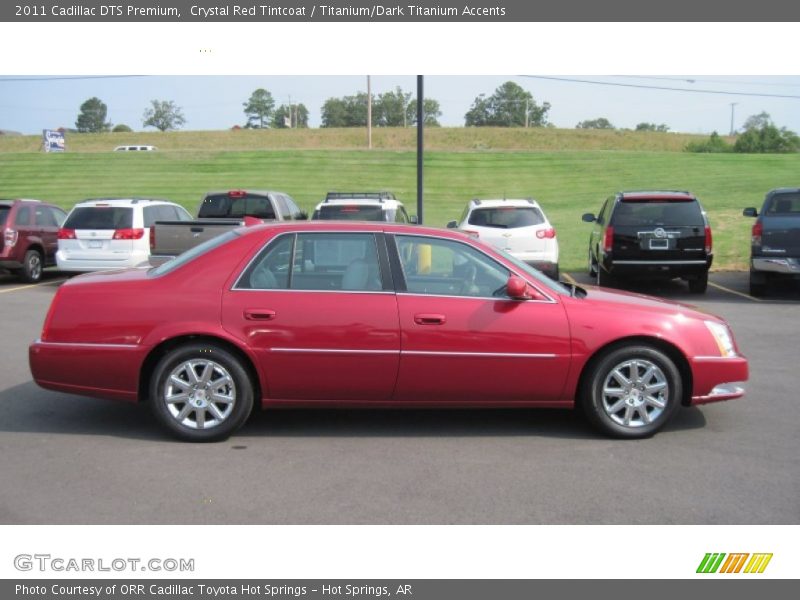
column 69, row 459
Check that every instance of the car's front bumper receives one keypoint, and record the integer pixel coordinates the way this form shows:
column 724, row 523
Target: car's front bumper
column 717, row 378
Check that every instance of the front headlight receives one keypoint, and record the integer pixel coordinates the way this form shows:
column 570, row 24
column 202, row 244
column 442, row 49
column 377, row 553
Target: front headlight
column 723, row 337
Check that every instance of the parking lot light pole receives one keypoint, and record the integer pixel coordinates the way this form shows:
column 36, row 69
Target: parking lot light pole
column 420, row 145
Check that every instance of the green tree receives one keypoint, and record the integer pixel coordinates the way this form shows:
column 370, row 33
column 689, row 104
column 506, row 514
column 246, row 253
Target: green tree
column 713, row 144
column 258, row 108
column 652, row 127
column 121, row 128
column 297, row 115
column 390, row 109
column 164, row 115
column 601, row 123
column 507, row 108
column 430, row 110
column 761, row 135
column 92, row 117
column 349, row 111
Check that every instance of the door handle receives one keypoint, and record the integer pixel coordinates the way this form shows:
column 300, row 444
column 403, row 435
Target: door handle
column 259, row 314
column 429, row 319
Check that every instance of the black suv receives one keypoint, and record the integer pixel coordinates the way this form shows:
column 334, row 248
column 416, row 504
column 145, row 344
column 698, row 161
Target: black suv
column 775, row 241
column 651, row 234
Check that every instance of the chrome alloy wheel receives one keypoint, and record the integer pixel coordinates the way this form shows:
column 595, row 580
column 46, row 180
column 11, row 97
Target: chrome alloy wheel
column 200, row 394
column 635, row 393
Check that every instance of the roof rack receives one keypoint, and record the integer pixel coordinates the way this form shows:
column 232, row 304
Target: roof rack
column 381, row 196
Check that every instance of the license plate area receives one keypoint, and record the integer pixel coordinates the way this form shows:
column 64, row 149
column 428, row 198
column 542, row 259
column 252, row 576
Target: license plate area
column 659, row 244
column 95, row 244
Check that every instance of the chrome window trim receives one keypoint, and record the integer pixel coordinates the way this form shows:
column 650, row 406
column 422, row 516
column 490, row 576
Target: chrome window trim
column 297, row 232
column 658, row 262
column 550, row 299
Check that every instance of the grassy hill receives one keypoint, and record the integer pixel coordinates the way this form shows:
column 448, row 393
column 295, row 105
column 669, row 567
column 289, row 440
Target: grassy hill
column 567, row 175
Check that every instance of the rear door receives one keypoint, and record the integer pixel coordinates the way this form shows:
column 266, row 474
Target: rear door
column 510, row 228
column 658, row 230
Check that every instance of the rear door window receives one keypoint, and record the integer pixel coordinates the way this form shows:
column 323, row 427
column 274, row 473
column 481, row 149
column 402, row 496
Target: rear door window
column 658, row 213
column 506, row 217
column 23, row 216
column 100, row 217
column 43, row 217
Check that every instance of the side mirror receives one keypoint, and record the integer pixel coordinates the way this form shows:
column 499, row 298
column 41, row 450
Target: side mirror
column 413, row 219
column 589, row 218
column 517, row 288
column 452, row 224
column 750, row 212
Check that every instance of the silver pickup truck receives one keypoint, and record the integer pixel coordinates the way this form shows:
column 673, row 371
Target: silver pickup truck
column 775, row 241
column 220, row 212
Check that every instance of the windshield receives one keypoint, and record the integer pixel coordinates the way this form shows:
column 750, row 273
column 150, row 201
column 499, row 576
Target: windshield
column 534, row 273
column 506, row 217
column 350, row 212
column 100, row 217
column 193, row 253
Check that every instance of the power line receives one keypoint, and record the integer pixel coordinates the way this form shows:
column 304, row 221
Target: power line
column 69, row 78
column 715, row 81
column 658, row 87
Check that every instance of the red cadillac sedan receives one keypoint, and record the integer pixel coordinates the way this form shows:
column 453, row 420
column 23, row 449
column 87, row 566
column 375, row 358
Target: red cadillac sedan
column 374, row 314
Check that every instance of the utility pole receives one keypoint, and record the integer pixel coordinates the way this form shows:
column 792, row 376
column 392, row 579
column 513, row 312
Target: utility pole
column 526, row 113
column 369, row 114
column 420, row 144
column 732, row 105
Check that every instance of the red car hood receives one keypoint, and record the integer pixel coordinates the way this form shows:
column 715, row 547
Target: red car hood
column 636, row 301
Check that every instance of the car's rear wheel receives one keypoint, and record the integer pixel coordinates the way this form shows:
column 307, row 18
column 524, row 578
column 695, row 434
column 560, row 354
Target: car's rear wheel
column 631, row 392
column 32, row 265
column 592, row 268
column 201, row 392
column 698, row 285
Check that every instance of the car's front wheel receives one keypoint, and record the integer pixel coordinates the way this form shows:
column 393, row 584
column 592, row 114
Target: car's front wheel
column 201, row 392
column 631, row 392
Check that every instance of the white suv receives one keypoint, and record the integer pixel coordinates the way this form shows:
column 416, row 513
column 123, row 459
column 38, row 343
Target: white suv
column 362, row 206
column 112, row 233
column 518, row 227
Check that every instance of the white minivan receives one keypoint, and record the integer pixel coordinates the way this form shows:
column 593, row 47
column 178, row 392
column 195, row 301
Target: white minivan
column 518, row 227
column 112, row 233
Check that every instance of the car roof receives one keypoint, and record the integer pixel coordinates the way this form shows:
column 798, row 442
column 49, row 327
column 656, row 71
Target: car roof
column 356, row 226
column 9, row 201
column 360, row 202
column 657, row 195
column 493, row 202
column 122, row 201
column 242, row 191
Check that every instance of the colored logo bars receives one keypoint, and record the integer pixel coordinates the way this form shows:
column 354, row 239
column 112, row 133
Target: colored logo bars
column 713, row 563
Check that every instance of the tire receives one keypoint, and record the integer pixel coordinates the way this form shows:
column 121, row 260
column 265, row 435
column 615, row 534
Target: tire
column 758, row 284
column 622, row 410
column 699, row 284
column 32, row 265
column 554, row 273
column 604, row 278
column 592, row 265
column 213, row 410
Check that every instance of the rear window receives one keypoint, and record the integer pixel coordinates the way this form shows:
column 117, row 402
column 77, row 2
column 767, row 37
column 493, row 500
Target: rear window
column 4, row 210
column 781, row 204
column 351, row 212
column 100, row 217
column 506, row 217
column 669, row 213
column 222, row 205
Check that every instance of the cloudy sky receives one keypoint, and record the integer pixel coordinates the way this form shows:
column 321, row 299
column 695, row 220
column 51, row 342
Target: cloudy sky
column 693, row 104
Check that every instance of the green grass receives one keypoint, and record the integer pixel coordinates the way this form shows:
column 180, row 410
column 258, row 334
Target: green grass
column 566, row 183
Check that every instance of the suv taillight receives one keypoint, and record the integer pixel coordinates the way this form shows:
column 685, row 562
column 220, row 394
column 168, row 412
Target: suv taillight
column 152, row 238
column 548, row 233
column 758, row 229
column 709, row 242
column 66, row 234
column 10, row 237
column 608, row 239
column 128, row 234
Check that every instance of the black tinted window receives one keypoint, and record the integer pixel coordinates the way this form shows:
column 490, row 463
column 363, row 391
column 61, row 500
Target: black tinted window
column 506, row 217
column 351, row 212
column 43, row 217
column 784, row 204
column 645, row 213
column 100, row 217
column 222, row 205
column 23, row 216
column 4, row 210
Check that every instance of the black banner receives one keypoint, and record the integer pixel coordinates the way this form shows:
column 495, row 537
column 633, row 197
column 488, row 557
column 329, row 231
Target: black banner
column 480, row 11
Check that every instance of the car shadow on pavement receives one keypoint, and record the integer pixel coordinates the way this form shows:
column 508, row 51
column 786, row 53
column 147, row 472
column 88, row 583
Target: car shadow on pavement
column 27, row 408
